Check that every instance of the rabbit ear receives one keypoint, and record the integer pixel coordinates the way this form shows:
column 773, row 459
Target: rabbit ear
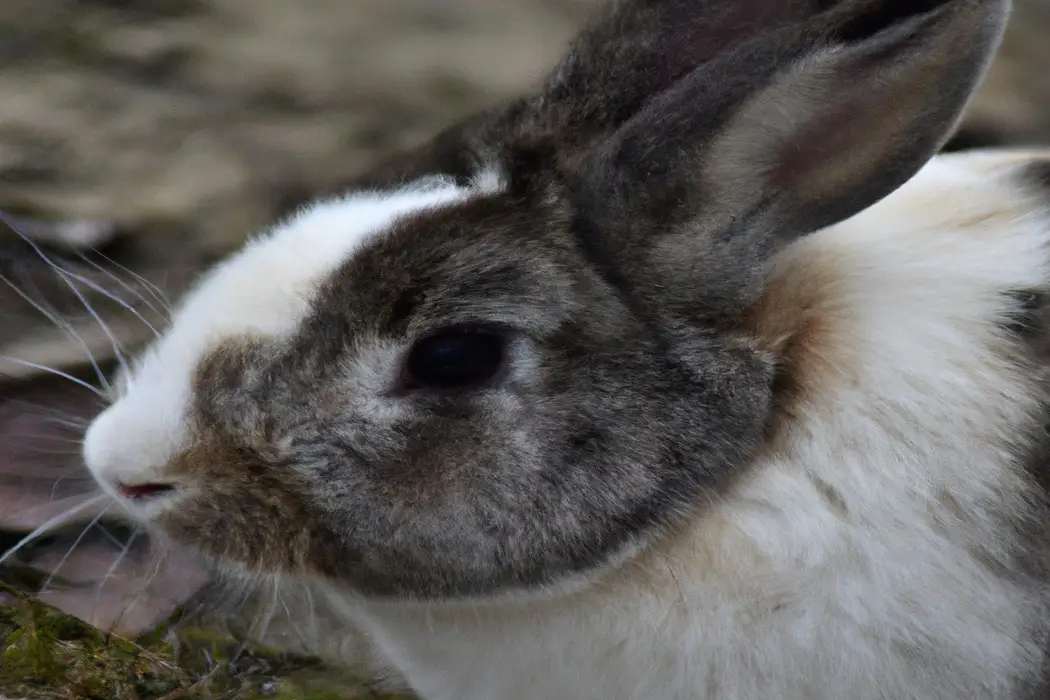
column 639, row 48
column 790, row 132
column 461, row 151
column 633, row 50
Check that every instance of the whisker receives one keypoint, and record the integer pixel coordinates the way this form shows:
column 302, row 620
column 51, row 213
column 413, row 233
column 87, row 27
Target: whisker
column 273, row 609
column 113, row 297
column 238, row 589
column 63, row 418
column 40, row 437
column 69, row 452
column 39, row 506
column 63, row 325
column 131, row 290
column 44, row 368
column 54, row 490
column 118, row 350
column 153, row 289
column 147, row 580
column 312, row 604
column 59, row 519
column 262, row 623
column 76, row 543
column 70, row 423
column 306, row 642
column 72, row 287
column 113, row 567
column 113, row 539
column 73, row 469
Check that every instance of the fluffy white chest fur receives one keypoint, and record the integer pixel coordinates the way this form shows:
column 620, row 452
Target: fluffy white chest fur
column 858, row 556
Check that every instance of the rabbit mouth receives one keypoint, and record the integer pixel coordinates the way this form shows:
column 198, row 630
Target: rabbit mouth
column 255, row 538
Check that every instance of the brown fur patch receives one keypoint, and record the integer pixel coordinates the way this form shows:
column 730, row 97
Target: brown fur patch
column 795, row 321
column 234, row 492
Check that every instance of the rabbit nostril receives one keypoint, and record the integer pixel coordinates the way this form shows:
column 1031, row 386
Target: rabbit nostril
column 141, row 492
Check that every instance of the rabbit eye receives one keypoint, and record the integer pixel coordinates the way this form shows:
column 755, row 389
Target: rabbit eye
column 456, row 359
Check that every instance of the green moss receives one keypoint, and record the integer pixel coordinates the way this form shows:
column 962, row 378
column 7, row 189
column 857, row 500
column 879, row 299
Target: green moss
column 47, row 654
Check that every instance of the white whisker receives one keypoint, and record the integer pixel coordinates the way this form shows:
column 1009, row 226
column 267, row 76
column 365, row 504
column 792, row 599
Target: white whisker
column 113, row 567
column 312, row 604
column 63, row 418
column 131, row 290
column 44, row 368
column 41, row 437
column 151, row 575
column 118, row 351
column 305, row 641
column 72, row 287
column 68, row 452
column 59, row 519
column 70, row 422
column 113, row 539
column 76, row 543
column 153, row 289
column 39, row 506
column 54, row 490
column 113, row 297
column 262, row 623
column 61, row 324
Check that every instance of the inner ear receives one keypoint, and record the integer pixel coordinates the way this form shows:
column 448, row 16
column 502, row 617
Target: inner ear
column 831, row 138
column 799, row 129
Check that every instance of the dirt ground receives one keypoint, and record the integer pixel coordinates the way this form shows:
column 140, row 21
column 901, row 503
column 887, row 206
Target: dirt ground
column 162, row 132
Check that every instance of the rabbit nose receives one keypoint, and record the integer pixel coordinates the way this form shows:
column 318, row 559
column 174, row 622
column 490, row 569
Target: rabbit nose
column 143, row 492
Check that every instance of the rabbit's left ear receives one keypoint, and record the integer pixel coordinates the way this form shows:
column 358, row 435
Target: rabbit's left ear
column 788, row 133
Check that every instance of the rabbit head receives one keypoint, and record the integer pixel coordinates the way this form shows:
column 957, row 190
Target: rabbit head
column 516, row 366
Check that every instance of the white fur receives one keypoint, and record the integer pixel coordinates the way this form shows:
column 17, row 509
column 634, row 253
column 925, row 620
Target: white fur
column 263, row 291
column 777, row 591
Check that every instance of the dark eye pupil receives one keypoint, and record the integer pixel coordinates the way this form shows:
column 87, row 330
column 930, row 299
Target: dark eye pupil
column 455, row 359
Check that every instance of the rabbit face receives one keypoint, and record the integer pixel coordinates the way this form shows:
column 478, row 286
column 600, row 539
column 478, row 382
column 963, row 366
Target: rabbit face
column 454, row 403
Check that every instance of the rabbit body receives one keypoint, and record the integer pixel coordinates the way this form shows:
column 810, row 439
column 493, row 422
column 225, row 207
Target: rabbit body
column 690, row 376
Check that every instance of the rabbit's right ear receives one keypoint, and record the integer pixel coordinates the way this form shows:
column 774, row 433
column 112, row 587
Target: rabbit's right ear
column 638, row 49
column 633, row 50
column 794, row 131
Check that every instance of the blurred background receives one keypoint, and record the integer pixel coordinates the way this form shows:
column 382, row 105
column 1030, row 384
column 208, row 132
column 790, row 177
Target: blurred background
column 142, row 139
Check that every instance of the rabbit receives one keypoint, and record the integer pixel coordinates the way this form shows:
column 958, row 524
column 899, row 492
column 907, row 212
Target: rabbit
column 695, row 374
